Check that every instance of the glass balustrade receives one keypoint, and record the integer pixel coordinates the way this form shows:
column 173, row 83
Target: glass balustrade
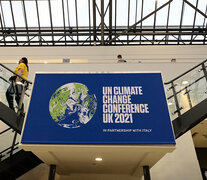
column 6, row 139
column 171, row 102
column 187, row 90
column 5, row 83
column 8, row 135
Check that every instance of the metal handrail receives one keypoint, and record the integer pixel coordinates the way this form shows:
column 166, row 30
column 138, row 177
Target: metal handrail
column 4, row 79
column 2, row 132
column 9, row 83
column 10, row 147
column 25, row 81
column 186, row 72
column 186, row 86
column 15, row 73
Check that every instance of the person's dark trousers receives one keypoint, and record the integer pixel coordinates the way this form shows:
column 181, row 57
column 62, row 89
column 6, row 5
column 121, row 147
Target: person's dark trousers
column 10, row 99
column 17, row 90
column 18, row 93
column 10, row 94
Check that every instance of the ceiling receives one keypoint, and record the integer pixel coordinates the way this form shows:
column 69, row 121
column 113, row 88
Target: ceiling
column 102, row 22
column 117, row 159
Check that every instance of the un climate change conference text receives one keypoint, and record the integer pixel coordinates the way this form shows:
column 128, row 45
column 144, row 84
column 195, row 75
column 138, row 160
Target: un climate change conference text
column 118, row 106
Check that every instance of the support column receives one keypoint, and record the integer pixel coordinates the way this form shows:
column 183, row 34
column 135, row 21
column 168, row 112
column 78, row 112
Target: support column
column 52, row 172
column 146, row 172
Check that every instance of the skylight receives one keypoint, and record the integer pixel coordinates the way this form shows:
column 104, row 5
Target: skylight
column 102, row 22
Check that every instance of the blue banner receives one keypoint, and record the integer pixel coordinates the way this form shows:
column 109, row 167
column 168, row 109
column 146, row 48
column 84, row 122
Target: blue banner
column 98, row 108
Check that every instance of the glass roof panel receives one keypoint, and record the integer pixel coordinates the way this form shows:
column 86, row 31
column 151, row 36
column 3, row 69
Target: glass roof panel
column 175, row 12
column 202, row 5
column 31, row 13
column 90, row 9
column 199, row 20
column 57, row 13
column 66, row 13
column 72, row 13
column 106, row 11
column 83, row 15
column 7, row 14
column 122, row 13
column 98, row 11
column 132, row 14
column 114, row 12
column 149, row 6
column 188, row 15
column 18, row 14
column 161, row 19
column 1, row 19
column 139, row 11
column 193, row 2
column 44, row 15
column 75, row 14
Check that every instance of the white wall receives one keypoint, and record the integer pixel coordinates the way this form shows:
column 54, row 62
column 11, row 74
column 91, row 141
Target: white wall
column 106, row 54
column 179, row 164
column 182, row 163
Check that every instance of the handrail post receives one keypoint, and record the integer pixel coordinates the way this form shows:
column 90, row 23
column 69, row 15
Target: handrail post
column 187, row 92
column 176, row 99
column 13, row 144
column 204, row 70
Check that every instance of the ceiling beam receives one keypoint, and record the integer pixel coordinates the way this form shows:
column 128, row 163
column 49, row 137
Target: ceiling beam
column 94, row 21
column 134, row 25
column 102, row 22
column 195, row 8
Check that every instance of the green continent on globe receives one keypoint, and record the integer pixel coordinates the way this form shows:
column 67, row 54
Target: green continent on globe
column 56, row 106
column 71, row 105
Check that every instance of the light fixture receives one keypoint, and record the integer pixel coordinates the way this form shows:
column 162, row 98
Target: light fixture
column 169, row 104
column 98, row 159
column 77, row 61
column 185, row 82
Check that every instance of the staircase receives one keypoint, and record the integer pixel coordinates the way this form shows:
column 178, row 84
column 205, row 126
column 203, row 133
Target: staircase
column 14, row 161
column 9, row 117
column 17, row 165
column 190, row 118
column 186, row 96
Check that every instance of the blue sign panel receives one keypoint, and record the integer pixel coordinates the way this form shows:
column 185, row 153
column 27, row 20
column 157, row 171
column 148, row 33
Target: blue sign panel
column 98, row 108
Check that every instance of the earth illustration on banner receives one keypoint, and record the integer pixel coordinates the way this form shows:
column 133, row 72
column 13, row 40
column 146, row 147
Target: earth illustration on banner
column 71, row 105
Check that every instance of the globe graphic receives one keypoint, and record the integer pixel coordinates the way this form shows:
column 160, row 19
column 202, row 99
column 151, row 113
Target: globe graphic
column 71, row 105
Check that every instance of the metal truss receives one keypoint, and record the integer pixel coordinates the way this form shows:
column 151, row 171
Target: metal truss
column 98, row 32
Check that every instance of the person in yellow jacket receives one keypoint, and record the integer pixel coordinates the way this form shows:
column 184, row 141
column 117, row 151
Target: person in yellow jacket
column 15, row 89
